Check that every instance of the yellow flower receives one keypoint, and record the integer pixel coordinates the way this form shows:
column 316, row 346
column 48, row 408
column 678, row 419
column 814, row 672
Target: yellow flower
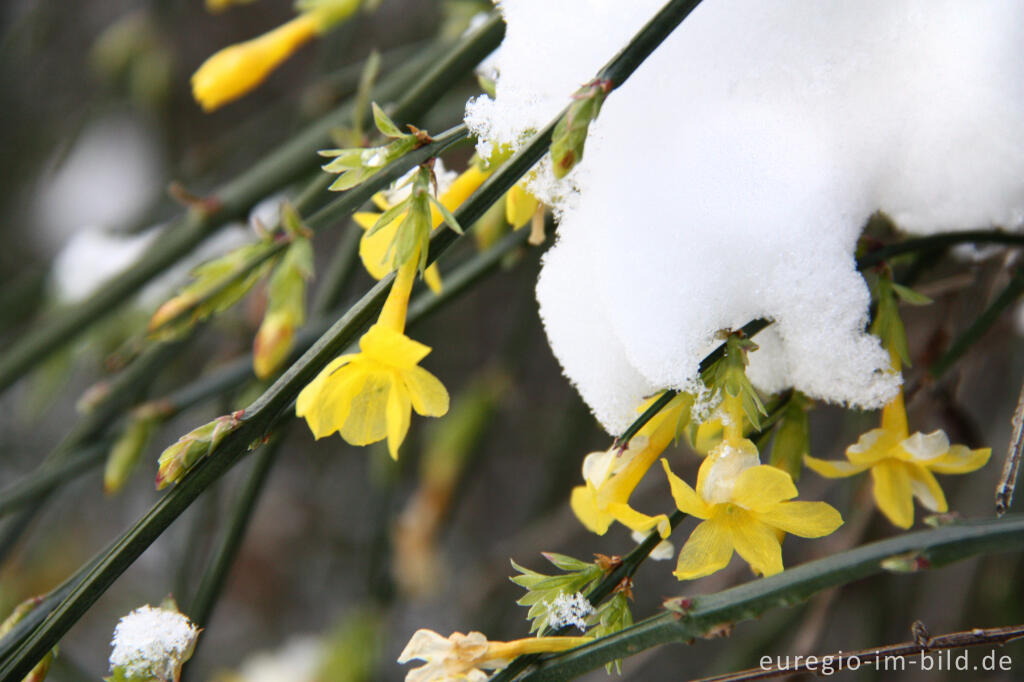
column 373, row 249
column 612, row 476
column 463, row 657
column 237, row 69
column 744, row 504
column 520, row 206
column 367, row 396
column 902, row 465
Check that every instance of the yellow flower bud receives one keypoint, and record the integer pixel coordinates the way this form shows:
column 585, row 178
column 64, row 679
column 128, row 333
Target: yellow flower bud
column 239, row 68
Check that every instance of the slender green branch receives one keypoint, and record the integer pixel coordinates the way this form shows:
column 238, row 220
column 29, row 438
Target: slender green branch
column 123, row 391
column 224, row 556
column 632, row 561
column 688, row 618
column 265, row 410
column 232, row 200
column 980, row 326
column 938, row 241
column 46, row 478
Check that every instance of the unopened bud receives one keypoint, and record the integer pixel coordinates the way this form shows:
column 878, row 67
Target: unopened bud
column 38, row 673
column 570, row 134
column 272, row 344
column 127, row 450
column 176, row 460
column 171, row 310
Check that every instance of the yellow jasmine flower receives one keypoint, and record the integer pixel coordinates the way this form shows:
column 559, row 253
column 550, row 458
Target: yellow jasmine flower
column 744, row 506
column 367, row 396
column 373, row 249
column 237, row 69
column 612, row 476
column 463, row 657
column 903, row 465
column 520, row 205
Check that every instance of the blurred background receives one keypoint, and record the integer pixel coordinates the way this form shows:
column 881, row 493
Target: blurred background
column 348, row 552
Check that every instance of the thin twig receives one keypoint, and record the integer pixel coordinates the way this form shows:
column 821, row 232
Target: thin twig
column 688, row 618
column 1008, row 479
column 939, row 241
column 981, row 324
column 841, row 660
column 277, row 168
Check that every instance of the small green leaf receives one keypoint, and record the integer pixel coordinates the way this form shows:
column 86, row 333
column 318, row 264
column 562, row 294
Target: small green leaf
column 384, row 124
column 908, row 295
column 447, row 215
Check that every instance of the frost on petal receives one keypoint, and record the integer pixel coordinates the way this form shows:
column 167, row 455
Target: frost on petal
column 925, row 447
column 774, row 147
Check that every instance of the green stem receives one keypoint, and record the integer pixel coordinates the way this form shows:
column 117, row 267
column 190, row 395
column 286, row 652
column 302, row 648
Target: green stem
column 939, row 241
column 980, row 326
column 63, row 461
column 631, row 562
column 686, row 619
column 216, row 574
column 264, row 412
column 232, row 200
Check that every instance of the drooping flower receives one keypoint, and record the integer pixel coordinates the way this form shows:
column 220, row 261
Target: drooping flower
column 374, row 249
column 465, row 656
column 367, row 396
column 743, row 505
column 237, row 69
column 612, row 476
column 903, row 465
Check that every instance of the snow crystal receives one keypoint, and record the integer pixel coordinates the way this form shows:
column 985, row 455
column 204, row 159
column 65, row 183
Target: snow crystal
column 730, row 177
column 152, row 642
column 569, row 609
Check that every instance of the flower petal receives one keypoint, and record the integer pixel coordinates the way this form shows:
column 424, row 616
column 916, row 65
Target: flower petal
column 366, row 421
column 425, row 645
column 392, row 348
column 638, row 521
column 806, row 519
column 893, row 493
column 762, row 487
column 584, row 504
column 872, row 446
column 922, row 447
column 429, row 396
column 708, row 549
column 687, row 499
column 373, row 249
column 927, row 489
column 432, row 276
column 960, row 460
column 830, row 468
column 754, row 541
column 398, row 413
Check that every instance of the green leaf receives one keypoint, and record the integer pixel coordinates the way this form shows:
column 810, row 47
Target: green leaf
column 384, row 124
column 449, row 219
column 910, row 296
column 792, row 439
column 567, row 563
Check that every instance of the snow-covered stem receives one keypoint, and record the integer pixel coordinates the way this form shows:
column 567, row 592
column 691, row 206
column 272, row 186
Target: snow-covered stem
column 688, row 618
column 938, row 241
